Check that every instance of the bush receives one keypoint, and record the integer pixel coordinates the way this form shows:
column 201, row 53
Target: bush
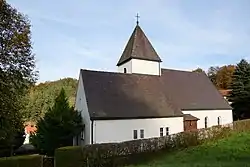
column 48, row 161
column 130, row 152
column 6, row 150
column 26, row 149
column 22, row 161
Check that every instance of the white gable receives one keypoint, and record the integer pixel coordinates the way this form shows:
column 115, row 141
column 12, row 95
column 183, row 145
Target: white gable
column 81, row 106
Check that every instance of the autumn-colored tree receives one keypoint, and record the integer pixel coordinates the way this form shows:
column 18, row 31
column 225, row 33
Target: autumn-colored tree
column 221, row 76
column 224, row 76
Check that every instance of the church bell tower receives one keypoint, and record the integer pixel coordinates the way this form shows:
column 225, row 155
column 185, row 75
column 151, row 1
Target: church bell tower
column 139, row 55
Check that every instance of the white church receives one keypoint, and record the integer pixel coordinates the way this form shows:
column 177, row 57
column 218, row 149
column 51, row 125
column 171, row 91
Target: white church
column 144, row 100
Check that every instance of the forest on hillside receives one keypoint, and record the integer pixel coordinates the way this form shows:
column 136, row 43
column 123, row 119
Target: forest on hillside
column 41, row 96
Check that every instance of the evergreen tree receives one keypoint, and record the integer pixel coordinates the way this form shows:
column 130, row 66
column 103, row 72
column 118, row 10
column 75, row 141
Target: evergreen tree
column 58, row 127
column 240, row 94
column 17, row 72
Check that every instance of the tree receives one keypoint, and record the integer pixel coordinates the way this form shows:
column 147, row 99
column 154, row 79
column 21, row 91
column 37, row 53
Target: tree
column 224, row 76
column 221, row 76
column 41, row 97
column 17, row 64
column 212, row 73
column 198, row 70
column 58, row 127
column 240, row 93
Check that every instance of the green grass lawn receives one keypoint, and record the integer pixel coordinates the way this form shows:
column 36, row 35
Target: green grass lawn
column 230, row 152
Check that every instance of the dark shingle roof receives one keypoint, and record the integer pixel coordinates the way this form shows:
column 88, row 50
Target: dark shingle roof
column 138, row 47
column 192, row 90
column 122, row 96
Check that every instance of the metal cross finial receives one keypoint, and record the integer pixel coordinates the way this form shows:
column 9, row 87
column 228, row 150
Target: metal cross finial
column 137, row 19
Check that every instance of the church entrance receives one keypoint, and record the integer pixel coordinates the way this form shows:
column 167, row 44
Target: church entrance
column 190, row 122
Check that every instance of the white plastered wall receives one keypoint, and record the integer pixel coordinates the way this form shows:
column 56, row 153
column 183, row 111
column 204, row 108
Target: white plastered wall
column 106, row 131
column 81, row 106
column 226, row 117
column 141, row 67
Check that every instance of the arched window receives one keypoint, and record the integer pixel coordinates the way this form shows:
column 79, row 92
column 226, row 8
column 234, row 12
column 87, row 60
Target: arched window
column 125, row 70
column 219, row 120
column 206, row 120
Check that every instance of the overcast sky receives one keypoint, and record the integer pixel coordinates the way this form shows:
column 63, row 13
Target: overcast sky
column 70, row 35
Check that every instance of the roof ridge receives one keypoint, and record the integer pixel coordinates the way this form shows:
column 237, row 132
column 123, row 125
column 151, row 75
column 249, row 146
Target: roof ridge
column 138, row 74
column 133, row 41
column 179, row 70
column 120, row 73
column 89, row 70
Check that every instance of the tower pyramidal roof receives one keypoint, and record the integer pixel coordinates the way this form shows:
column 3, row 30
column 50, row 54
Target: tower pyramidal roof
column 138, row 47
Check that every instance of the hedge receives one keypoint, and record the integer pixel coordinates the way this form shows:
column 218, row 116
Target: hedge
column 22, row 161
column 130, row 152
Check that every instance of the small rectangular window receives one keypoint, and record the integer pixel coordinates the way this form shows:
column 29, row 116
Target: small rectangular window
column 167, row 131
column 161, row 132
column 206, row 118
column 142, row 133
column 135, row 134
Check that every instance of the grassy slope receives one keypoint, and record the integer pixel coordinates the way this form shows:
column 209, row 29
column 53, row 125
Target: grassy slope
column 231, row 152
